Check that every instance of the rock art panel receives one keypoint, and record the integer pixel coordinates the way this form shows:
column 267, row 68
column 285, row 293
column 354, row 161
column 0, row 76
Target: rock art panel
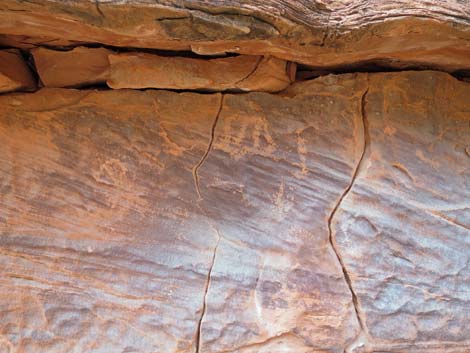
column 103, row 247
column 277, row 167
column 403, row 229
column 113, row 201
column 331, row 217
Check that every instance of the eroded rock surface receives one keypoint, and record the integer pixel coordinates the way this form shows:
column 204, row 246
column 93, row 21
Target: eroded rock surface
column 331, row 217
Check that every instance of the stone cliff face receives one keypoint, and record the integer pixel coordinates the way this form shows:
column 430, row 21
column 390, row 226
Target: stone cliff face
column 159, row 193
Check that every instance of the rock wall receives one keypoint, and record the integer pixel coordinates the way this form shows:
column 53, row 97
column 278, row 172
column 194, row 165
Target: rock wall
column 159, row 221
column 155, row 201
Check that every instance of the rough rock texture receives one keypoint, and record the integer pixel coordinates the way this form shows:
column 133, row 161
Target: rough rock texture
column 73, row 68
column 244, row 72
column 331, row 217
column 321, row 34
column 14, row 72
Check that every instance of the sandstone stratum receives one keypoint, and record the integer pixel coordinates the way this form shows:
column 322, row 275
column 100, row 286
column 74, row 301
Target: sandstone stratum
column 250, row 176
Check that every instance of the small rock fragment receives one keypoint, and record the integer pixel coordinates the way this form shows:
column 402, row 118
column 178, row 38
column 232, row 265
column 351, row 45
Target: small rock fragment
column 14, row 73
column 78, row 67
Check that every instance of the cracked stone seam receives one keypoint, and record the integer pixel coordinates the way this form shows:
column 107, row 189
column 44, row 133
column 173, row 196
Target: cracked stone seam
column 359, row 340
column 195, row 171
column 209, row 147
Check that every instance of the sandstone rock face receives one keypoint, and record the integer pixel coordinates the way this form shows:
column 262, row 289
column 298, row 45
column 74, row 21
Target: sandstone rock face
column 321, row 34
column 14, row 73
column 73, row 68
column 330, row 217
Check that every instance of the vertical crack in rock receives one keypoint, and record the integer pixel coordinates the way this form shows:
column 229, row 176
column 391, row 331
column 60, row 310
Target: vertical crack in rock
column 209, row 147
column 206, row 291
column 359, row 340
column 216, row 247
column 98, row 8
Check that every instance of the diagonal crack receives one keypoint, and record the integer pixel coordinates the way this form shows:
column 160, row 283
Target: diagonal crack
column 252, row 71
column 332, row 240
column 98, row 8
column 195, row 170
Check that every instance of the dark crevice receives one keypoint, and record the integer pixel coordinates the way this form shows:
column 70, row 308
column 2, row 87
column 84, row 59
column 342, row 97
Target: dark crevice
column 29, row 60
column 305, row 72
column 116, row 49
column 332, row 239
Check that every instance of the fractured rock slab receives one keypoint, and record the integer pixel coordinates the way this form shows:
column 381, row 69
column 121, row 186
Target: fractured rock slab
column 87, row 66
column 15, row 74
column 78, row 67
column 244, row 72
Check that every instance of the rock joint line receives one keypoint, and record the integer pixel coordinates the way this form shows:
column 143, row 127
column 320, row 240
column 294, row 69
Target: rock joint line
column 216, row 247
column 360, row 339
column 206, row 291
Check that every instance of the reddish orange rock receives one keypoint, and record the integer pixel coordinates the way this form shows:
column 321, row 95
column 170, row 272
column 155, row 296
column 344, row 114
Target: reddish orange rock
column 14, row 73
column 74, row 68
column 244, row 72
